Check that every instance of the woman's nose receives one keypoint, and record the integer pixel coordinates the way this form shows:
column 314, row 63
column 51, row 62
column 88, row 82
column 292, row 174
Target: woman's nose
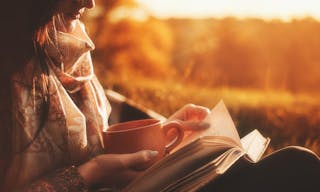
column 89, row 3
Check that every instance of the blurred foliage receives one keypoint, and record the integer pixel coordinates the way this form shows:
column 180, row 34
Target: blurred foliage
column 249, row 53
column 126, row 47
column 267, row 72
column 287, row 119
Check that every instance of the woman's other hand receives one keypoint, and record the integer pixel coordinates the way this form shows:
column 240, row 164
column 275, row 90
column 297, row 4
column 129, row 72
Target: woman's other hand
column 191, row 117
column 114, row 170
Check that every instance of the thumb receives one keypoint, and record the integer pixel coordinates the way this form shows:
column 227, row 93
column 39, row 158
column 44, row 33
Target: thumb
column 133, row 159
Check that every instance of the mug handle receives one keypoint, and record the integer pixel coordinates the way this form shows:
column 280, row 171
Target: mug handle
column 178, row 127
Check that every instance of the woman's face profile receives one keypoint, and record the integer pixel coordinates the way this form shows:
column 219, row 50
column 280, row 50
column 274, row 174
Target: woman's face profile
column 71, row 10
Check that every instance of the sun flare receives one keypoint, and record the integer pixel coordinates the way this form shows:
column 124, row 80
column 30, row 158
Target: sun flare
column 267, row 9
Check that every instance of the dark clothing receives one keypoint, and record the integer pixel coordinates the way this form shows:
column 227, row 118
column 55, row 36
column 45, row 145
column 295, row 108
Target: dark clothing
column 290, row 169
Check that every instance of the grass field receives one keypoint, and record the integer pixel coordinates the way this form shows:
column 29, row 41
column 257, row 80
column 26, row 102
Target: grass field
column 286, row 118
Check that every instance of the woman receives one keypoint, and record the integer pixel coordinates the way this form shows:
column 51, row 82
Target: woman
column 54, row 110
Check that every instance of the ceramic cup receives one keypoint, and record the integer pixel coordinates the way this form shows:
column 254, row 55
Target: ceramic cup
column 151, row 134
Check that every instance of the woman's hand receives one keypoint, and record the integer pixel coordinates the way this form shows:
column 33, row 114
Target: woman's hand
column 191, row 116
column 114, row 170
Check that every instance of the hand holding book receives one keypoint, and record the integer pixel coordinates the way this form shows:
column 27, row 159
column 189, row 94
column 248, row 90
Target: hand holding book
column 202, row 156
column 191, row 116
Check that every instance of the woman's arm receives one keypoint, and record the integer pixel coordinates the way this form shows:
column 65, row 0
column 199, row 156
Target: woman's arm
column 108, row 170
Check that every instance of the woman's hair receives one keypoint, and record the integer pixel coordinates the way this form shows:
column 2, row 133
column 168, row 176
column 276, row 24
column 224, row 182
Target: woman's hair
column 42, row 21
column 25, row 30
column 24, row 24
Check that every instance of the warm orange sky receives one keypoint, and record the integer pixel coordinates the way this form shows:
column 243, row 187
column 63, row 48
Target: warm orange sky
column 268, row 9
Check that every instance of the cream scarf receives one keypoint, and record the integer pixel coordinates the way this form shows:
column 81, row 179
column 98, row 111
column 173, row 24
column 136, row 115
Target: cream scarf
column 78, row 111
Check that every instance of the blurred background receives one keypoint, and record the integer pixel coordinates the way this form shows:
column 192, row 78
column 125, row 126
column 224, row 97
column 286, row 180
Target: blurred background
column 261, row 57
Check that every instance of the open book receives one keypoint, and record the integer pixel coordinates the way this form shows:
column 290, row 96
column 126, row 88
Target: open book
column 206, row 155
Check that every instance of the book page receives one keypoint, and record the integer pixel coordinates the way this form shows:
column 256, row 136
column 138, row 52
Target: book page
column 206, row 155
column 220, row 124
column 208, row 172
column 254, row 144
column 177, row 167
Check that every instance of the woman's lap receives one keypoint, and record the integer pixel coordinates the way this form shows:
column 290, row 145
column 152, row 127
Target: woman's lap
column 289, row 169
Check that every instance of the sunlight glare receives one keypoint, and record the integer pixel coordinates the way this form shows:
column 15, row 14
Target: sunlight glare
column 267, row 9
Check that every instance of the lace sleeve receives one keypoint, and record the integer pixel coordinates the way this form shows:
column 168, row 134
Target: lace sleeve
column 63, row 180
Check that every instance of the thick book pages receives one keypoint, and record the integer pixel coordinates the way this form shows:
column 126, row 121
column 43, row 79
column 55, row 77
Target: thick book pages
column 207, row 154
